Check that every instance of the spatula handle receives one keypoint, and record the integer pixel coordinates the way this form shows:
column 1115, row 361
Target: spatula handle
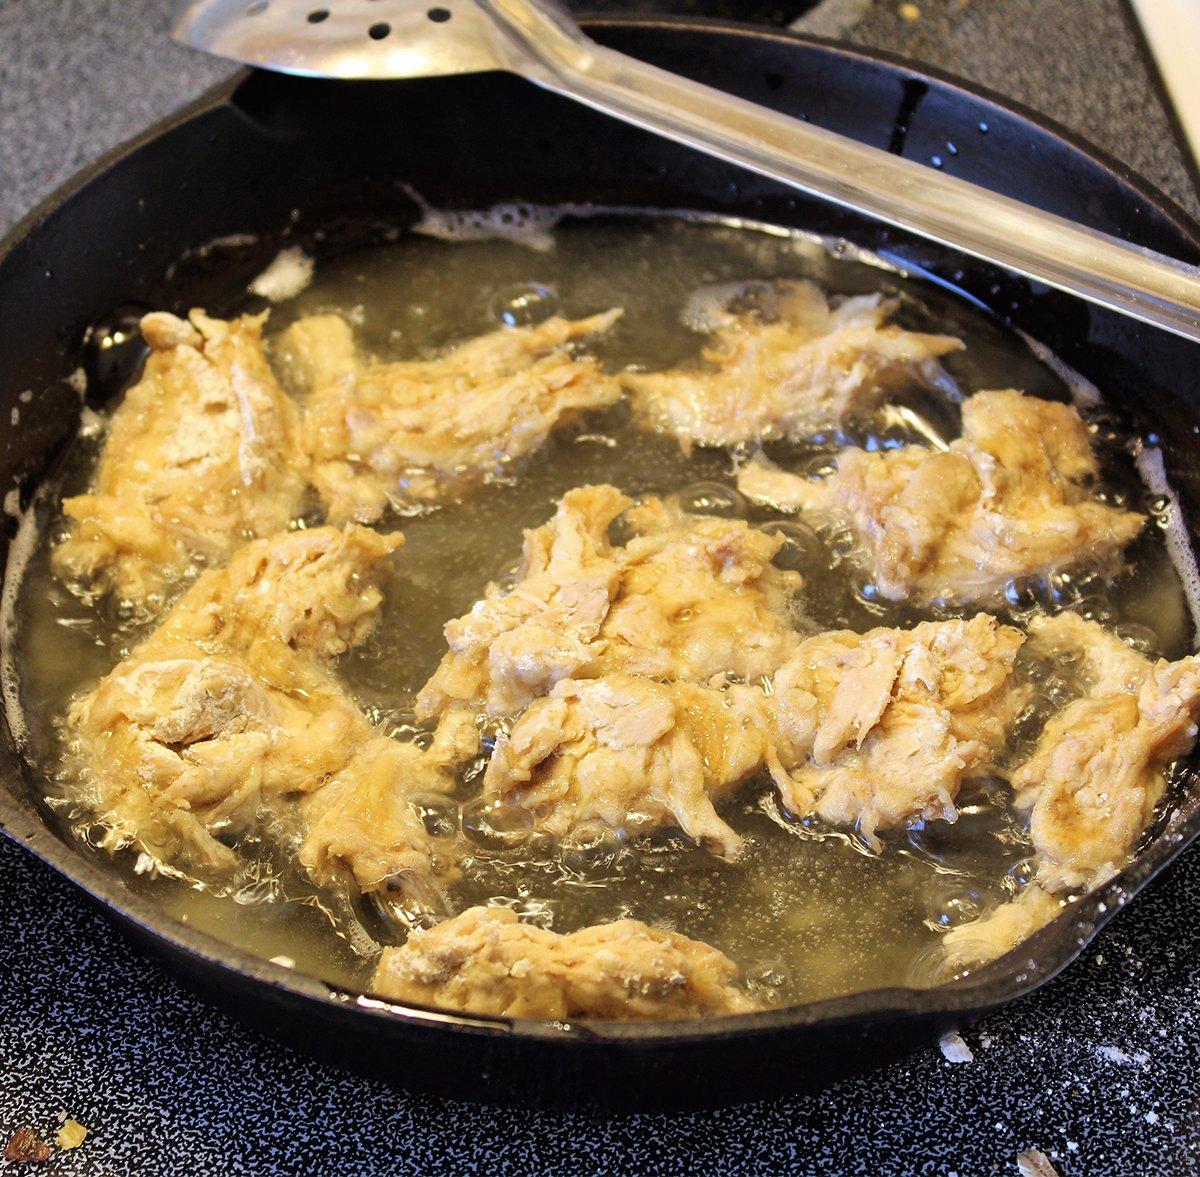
column 549, row 48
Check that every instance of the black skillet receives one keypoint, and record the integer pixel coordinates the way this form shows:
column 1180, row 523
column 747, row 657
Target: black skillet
column 325, row 164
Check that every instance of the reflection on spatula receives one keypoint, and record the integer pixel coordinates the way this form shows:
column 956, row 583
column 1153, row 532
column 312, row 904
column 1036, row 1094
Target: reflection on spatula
column 540, row 41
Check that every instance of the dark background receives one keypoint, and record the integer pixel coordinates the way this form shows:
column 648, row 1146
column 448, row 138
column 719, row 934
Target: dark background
column 1098, row 1069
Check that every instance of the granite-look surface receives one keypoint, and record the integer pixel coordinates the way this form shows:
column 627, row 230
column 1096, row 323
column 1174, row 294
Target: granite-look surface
column 1098, row 1070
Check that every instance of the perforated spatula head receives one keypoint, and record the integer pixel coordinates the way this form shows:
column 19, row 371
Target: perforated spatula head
column 348, row 38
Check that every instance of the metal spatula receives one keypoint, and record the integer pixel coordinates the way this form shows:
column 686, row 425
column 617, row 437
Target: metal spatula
column 540, row 41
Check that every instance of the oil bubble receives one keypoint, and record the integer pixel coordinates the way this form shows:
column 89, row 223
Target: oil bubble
column 592, row 850
column 766, row 974
column 523, row 304
column 1141, row 637
column 948, row 903
column 1025, row 593
column 1097, row 609
column 930, row 968
column 864, row 588
column 1024, row 872
column 820, row 465
column 113, row 351
column 492, row 826
column 712, row 498
column 800, row 549
column 839, row 538
column 438, row 813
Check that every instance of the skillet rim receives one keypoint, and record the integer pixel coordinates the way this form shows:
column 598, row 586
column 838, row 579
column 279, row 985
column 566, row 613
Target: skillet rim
column 1027, row 967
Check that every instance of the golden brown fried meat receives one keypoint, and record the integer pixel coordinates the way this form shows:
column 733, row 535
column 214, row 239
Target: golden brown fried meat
column 632, row 753
column 1096, row 776
column 876, row 729
column 486, row 962
column 203, row 454
column 690, row 598
column 385, row 434
column 616, row 661
column 315, row 351
column 1007, row 500
column 229, row 714
column 1098, row 771
column 803, row 366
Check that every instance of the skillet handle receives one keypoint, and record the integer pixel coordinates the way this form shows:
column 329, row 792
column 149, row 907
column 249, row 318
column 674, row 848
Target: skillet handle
column 547, row 47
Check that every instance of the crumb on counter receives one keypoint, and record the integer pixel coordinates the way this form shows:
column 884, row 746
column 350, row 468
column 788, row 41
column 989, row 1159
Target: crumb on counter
column 1034, row 1163
column 71, row 1135
column 954, row 1049
column 25, row 1147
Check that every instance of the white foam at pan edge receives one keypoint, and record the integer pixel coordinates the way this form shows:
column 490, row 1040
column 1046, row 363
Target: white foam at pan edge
column 285, row 277
column 1084, row 394
column 1153, row 470
column 531, row 225
column 707, row 307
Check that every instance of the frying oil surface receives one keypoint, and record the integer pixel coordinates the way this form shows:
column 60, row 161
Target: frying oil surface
column 805, row 911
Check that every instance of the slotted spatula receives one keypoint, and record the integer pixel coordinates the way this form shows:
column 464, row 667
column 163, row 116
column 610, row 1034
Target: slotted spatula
column 540, row 41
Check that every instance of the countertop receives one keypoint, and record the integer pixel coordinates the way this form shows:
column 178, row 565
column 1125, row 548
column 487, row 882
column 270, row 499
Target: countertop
column 1098, row 1070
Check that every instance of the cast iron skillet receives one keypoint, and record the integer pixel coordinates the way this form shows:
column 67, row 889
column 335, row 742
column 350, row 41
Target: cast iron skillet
column 323, row 164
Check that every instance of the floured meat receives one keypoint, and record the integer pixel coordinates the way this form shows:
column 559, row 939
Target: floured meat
column 873, row 730
column 1098, row 771
column 229, row 709
column 203, row 454
column 383, row 434
column 1096, row 775
column 315, row 351
column 689, row 599
column 631, row 753
column 1007, row 499
column 515, row 645
column 486, row 962
column 765, row 483
column 801, row 366
column 311, row 590
column 361, row 827
column 698, row 598
column 1002, row 929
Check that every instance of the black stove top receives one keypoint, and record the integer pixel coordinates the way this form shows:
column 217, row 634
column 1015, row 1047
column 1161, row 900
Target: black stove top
column 1098, row 1070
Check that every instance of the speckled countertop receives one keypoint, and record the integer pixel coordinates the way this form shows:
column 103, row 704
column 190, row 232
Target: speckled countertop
column 1099, row 1070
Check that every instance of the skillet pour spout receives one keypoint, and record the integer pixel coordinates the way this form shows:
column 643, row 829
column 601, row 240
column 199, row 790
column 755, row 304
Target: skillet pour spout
column 279, row 161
